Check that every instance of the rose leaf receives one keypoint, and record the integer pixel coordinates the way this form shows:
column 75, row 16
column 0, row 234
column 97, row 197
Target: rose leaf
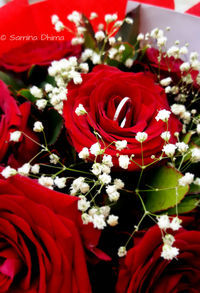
column 166, row 191
column 187, row 205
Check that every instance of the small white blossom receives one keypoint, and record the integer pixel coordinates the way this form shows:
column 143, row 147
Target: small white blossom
column 95, row 149
column 54, row 19
column 107, row 160
column 83, row 204
column 168, row 89
column 46, row 181
column 119, row 184
column 96, row 169
column 84, row 154
column 112, row 220
column 98, row 221
column 84, row 187
column 195, row 155
column 140, row 37
column 80, row 110
column 120, row 145
column 60, row 182
column 178, row 109
column 175, row 224
column 166, row 81
column 183, row 50
column 99, row 36
column 166, row 135
column 118, row 23
column 86, row 218
column 36, row 92
column 173, row 51
column 168, row 239
column 59, row 26
column 197, row 181
column 163, row 222
column 198, row 128
column 163, row 115
column 41, row 104
column 110, row 17
column 129, row 62
column 105, row 211
column 38, row 127
column 84, row 67
column 105, row 178
column 182, row 147
column 122, row 251
column 124, row 161
column 169, row 252
column 186, row 179
column 161, row 41
column 105, row 169
column 54, row 159
column 8, row 172
column 169, row 149
column 121, row 48
column 48, row 88
column 15, row 136
column 141, row 136
column 93, row 15
column 129, row 20
column 112, row 41
column 185, row 66
column 24, row 170
column 112, row 192
column 35, row 169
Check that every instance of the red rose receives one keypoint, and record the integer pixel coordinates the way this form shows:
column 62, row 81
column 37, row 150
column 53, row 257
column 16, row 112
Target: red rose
column 101, row 92
column 37, row 53
column 41, row 249
column 14, row 118
column 145, row 271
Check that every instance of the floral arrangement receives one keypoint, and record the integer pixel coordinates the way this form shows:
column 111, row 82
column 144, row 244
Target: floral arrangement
column 99, row 161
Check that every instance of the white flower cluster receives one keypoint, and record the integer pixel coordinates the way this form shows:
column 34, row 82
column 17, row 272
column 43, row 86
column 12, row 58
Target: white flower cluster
column 58, row 25
column 168, row 251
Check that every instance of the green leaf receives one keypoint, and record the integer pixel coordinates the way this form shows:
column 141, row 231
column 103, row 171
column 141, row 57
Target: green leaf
column 11, row 81
column 188, row 204
column 27, row 95
column 194, row 189
column 55, row 123
column 187, row 137
column 89, row 38
column 129, row 32
column 166, row 191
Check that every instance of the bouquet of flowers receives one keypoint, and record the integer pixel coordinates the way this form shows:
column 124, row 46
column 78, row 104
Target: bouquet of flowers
column 100, row 150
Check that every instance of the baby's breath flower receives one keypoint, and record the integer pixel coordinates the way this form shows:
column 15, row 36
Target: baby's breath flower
column 59, row 26
column 140, row 37
column 96, row 169
column 95, row 149
column 129, row 62
column 141, row 136
column 35, row 169
column 93, row 15
column 38, row 127
column 104, row 178
column 24, row 170
column 99, row 36
column 169, row 252
column 46, row 181
column 169, row 149
column 122, row 251
column 165, row 135
column 54, row 159
column 86, row 218
column 36, row 92
column 120, row 145
column 15, row 136
column 84, row 153
column 118, row 183
column 105, row 211
column 112, row 192
column 83, row 204
column 178, row 109
column 124, row 161
column 163, row 115
column 186, row 179
column 175, row 224
column 168, row 239
column 8, row 172
column 54, row 19
column 80, row 110
column 195, row 155
column 129, row 20
column 163, row 222
column 166, row 81
column 98, row 221
column 185, row 66
column 112, row 220
column 41, row 104
column 60, row 182
column 182, row 147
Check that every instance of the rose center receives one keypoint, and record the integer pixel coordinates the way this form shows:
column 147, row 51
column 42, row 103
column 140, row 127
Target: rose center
column 122, row 111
